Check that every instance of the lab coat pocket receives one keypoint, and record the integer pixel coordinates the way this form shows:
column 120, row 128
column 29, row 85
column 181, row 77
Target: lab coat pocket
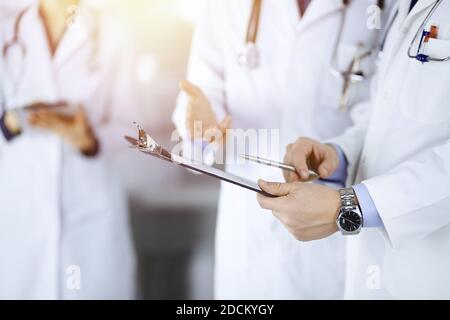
column 425, row 95
column 333, row 82
column 437, row 48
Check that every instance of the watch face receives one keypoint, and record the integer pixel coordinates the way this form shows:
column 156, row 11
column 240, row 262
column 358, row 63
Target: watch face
column 350, row 221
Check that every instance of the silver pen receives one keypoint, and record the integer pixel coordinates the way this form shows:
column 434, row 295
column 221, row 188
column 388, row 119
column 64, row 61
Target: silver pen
column 312, row 175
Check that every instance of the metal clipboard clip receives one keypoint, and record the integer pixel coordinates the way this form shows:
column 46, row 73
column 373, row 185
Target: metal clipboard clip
column 146, row 144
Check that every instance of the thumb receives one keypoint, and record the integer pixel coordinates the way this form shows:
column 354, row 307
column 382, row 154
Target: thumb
column 275, row 188
column 190, row 89
column 326, row 169
column 226, row 123
column 301, row 165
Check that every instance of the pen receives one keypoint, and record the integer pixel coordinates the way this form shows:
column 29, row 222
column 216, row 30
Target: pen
column 312, row 175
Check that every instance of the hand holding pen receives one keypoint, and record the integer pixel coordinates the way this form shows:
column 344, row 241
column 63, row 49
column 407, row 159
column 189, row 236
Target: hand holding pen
column 283, row 166
column 306, row 160
column 308, row 154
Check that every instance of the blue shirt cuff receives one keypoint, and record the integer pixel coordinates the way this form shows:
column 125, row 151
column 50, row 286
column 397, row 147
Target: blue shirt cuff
column 370, row 213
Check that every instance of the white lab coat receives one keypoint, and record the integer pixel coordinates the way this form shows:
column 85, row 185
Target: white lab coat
column 292, row 91
column 404, row 160
column 63, row 215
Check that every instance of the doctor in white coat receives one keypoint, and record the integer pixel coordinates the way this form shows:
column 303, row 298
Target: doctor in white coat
column 398, row 166
column 63, row 217
column 288, row 90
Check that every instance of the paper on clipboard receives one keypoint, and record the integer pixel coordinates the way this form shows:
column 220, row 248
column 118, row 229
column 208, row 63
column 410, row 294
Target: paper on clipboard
column 147, row 145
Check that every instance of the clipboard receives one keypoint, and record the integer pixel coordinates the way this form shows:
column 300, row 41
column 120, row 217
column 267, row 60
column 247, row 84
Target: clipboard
column 145, row 144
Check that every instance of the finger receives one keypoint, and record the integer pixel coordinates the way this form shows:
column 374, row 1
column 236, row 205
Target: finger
column 301, row 164
column 298, row 156
column 267, row 203
column 41, row 123
column 279, row 204
column 275, row 188
column 35, row 118
column 290, row 176
column 48, row 116
column 324, row 170
column 46, row 120
column 328, row 165
column 190, row 89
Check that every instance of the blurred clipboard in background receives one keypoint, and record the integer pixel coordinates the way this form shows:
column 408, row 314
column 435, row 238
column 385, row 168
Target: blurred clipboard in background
column 145, row 144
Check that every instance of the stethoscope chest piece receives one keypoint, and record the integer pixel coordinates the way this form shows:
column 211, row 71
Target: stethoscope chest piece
column 249, row 56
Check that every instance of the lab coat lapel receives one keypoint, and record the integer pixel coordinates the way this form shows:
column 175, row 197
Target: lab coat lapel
column 79, row 32
column 418, row 9
column 407, row 19
column 37, row 83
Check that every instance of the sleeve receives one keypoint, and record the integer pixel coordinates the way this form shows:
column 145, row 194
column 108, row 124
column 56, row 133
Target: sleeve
column 206, row 67
column 371, row 216
column 413, row 199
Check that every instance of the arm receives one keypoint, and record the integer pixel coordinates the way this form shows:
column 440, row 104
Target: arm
column 413, row 199
column 371, row 215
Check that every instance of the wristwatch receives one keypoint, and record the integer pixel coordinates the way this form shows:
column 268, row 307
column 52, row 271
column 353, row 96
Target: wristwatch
column 350, row 219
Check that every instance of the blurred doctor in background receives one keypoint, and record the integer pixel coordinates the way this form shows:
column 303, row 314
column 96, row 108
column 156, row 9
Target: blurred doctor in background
column 65, row 93
column 284, row 65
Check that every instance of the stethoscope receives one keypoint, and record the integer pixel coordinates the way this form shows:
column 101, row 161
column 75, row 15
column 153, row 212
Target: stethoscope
column 249, row 56
column 353, row 74
column 420, row 56
column 16, row 42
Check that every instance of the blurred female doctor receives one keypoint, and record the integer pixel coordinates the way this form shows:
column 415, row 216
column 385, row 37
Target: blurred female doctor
column 280, row 78
column 63, row 218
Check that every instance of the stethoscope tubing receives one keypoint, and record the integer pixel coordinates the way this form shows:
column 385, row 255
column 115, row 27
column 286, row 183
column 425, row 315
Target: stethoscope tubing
column 15, row 41
column 422, row 57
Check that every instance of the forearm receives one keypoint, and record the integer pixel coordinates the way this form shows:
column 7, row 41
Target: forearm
column 370, row 213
